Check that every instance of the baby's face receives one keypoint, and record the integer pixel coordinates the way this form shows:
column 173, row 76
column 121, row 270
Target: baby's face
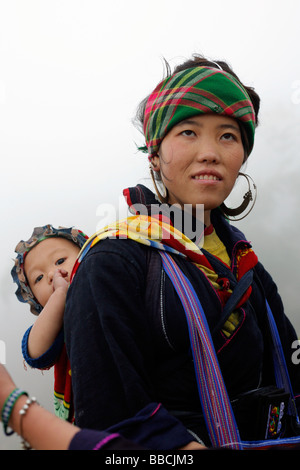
column 43, row 260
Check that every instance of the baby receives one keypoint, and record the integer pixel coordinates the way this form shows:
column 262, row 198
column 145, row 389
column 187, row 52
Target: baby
column 42, row 272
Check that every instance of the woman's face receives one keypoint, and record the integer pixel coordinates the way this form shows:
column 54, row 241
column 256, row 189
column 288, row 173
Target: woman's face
column 199, row 161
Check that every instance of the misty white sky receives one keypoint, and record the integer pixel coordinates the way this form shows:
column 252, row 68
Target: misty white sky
column 71, row 75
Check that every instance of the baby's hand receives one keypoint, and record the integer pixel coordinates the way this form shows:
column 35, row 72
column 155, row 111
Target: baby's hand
column 59, row 280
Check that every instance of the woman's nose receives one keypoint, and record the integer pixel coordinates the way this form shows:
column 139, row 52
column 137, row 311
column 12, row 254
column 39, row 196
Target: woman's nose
column 208, row 152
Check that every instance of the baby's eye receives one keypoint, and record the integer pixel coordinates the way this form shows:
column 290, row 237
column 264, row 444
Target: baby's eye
column 60, row 261
column 188, row 132
column 38, row 279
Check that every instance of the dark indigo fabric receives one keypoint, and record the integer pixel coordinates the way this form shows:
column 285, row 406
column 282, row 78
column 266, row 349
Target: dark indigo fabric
column 128, row 341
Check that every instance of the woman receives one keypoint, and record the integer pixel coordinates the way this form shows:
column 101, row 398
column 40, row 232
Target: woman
column 126, row 330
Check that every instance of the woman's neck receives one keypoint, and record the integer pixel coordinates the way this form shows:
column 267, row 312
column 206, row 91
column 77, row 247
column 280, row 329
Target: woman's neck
column 207, row 221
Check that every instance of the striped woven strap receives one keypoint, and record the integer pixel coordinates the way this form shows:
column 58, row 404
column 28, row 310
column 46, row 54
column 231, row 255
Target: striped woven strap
column 219, row 417
column 280, row 368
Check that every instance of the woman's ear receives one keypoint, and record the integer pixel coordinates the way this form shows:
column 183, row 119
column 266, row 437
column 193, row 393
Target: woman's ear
column 155, row 163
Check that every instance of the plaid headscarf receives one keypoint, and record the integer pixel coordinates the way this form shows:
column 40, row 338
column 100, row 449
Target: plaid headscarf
column 23, row 292
column 198, row 90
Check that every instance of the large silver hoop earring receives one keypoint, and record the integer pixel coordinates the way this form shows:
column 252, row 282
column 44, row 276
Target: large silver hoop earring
column 162, row 195
column 232, row 213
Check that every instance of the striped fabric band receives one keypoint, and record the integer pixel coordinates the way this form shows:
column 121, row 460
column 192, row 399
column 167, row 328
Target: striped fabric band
column 280, row 368
column 199, row 90
column 219, row 417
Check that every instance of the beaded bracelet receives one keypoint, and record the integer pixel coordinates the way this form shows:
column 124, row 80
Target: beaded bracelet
column 8, row 407
column 22, row 412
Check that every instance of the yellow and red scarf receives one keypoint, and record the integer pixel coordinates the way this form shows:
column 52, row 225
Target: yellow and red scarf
column 156, row 233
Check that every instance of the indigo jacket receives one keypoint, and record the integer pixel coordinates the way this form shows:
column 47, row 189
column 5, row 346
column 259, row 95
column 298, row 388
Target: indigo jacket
column 128, row 342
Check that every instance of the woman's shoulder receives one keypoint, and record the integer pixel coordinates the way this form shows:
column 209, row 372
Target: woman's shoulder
column 124, row 246
column 118, row 251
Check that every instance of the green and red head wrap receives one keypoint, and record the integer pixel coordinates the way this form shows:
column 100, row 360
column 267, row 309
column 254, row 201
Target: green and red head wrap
column 191, row 92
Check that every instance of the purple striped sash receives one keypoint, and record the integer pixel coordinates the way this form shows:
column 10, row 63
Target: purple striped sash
column 219, row 417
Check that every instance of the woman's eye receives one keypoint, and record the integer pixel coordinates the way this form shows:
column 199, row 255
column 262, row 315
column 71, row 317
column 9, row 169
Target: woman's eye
column 60, row 261
column 188, row 132
column 228, row 136
column 38, row 279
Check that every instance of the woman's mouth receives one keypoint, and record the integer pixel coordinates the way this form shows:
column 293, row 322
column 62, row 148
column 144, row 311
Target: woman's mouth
column 206, row 177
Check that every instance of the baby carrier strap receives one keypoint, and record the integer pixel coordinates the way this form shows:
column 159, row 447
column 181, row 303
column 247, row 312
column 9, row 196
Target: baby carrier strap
column 238, row 292
column 239, row 288
column 216, row 405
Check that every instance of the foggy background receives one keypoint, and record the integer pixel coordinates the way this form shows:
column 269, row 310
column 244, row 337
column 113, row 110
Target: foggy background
column 71, row 75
